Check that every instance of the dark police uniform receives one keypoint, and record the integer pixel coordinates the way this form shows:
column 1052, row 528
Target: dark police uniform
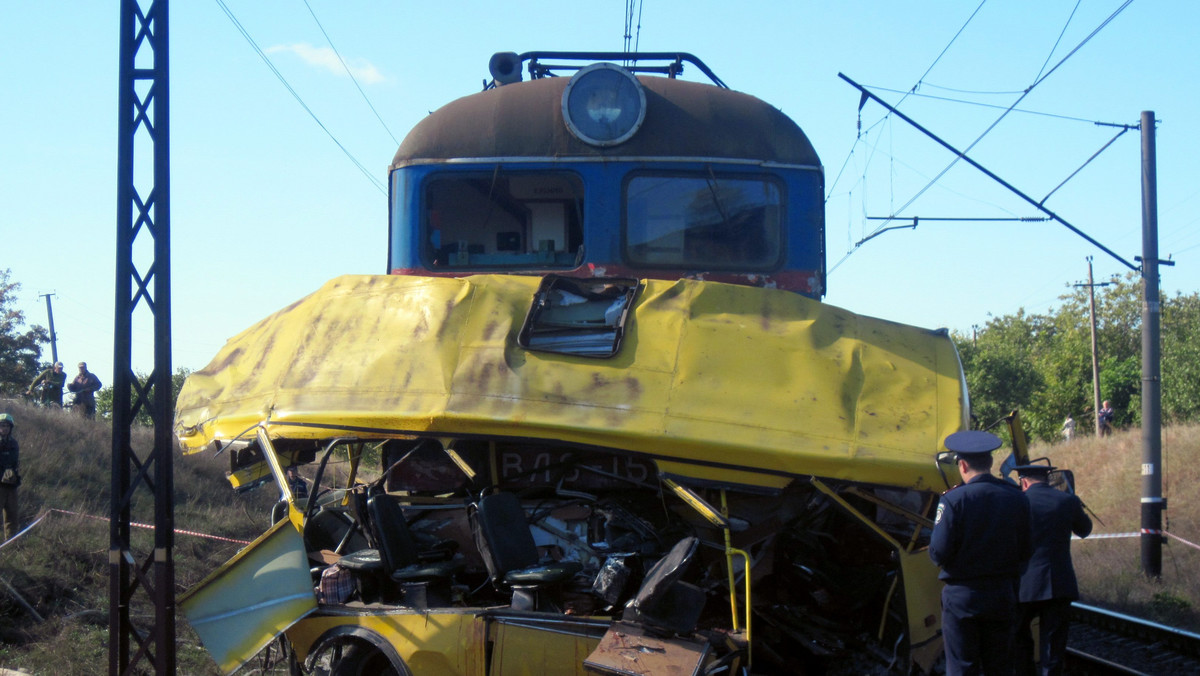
column 1048, row 585
column 981, row 543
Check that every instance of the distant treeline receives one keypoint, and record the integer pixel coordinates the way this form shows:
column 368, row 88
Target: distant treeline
column 1042, row 363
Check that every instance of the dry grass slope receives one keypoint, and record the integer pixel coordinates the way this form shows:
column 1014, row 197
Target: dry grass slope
column 1108, row 476
column 60, row 566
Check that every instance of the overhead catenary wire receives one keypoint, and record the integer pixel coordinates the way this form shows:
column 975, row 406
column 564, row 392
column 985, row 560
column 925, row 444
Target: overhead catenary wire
column 947, row 47
column 1041, row 78
column 350, row 73
column 1060, row 37
column 977, row 92
column 980, row 104
column 959, row 154
column 632, row 34
column 246, row 34
column 637, row 35
column 914, row 89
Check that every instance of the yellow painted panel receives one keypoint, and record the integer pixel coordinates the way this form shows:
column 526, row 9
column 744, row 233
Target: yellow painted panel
column 723, row 476
column 254, row 597
column 527, row 651
column 732, row 376
column 431, row 642
column 923, row 593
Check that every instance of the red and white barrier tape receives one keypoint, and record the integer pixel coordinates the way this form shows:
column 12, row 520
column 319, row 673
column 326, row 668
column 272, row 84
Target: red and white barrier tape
column 1193, row 545
column 1137, row 534
column 23, row 530
column 178, row 531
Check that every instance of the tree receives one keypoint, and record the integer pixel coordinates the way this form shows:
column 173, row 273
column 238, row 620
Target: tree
column 1181, row 358
column 20, row 348
column 104, row 398
column 1041, row 364
column 998, row 366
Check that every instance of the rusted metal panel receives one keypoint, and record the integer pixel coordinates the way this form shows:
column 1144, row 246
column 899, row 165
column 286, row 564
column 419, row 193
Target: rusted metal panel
column 626, row 650
column 525, row 120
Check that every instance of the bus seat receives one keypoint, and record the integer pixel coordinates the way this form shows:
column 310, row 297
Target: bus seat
column 504, row 539
column 398, row 548
column 664, row 603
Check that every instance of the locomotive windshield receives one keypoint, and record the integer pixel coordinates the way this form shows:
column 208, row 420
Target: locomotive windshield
column 705, row 221
column 503, row 219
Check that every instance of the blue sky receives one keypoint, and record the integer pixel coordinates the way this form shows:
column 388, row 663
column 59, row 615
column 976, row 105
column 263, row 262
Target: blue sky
column 266, row 207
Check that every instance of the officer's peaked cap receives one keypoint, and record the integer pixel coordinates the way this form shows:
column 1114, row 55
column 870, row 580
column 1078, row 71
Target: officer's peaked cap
column 972, row 442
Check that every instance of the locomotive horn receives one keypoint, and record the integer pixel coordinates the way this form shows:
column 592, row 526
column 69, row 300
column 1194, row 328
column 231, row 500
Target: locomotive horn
column 505, row 68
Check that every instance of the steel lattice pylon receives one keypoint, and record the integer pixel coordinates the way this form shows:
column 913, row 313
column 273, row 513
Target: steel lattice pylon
column 143, row 136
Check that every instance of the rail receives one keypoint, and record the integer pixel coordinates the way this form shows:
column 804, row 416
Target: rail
column 1107, row 642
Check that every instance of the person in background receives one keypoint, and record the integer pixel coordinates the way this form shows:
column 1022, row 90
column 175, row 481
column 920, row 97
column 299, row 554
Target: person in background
column 85, row 386
column 49, row 385
column 297, row 483
column 981, row 542
column 1068, row 429
column 1048, row 584
column 10, row 475
column 1105, row 416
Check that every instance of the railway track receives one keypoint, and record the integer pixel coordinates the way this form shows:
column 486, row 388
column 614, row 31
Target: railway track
column 1105, row 642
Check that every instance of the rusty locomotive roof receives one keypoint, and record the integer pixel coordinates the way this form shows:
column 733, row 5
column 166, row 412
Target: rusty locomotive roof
column 683, row 119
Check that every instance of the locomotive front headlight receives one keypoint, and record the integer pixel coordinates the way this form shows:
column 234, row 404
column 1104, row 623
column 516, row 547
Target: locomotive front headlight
column 604, row 104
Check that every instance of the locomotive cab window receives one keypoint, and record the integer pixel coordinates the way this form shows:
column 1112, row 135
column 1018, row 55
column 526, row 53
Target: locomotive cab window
column 703, row 221
column 503, row 220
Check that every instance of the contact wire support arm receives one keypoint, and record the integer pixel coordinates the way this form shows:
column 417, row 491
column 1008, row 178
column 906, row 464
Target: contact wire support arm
column 1038, row 205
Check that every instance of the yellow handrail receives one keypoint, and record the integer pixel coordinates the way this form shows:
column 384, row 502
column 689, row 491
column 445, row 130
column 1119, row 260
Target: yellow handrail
column 730, row 551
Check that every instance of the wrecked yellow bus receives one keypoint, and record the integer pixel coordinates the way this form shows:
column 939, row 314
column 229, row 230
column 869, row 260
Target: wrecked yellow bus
column 597, row 419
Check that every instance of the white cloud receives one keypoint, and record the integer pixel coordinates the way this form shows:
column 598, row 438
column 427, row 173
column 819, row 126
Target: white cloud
column 324, row 57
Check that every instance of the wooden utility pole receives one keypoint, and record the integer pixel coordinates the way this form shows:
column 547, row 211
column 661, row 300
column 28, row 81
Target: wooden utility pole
column 1095, row 352
column 53, row 335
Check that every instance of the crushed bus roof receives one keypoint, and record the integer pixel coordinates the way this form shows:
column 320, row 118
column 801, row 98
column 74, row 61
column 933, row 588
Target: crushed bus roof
column 714, row 375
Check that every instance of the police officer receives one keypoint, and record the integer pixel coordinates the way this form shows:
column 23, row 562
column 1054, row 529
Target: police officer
column 981, row 543
column 1048, row 585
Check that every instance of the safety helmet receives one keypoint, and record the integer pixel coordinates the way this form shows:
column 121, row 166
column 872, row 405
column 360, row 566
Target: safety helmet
column 7, row 418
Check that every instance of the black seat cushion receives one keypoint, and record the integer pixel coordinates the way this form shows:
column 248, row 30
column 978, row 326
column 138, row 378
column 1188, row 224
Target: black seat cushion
column 543, row 574
column 362, row 560
column 427, row 572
